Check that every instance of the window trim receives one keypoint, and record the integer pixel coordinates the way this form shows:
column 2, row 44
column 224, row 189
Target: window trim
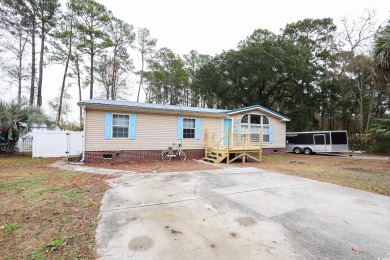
column 191, row 118
column 112, row 126
column 261, row 125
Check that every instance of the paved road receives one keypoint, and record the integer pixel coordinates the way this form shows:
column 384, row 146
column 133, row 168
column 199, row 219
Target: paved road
column 240, row 214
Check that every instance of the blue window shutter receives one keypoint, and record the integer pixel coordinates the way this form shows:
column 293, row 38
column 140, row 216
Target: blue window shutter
column 197, row 128
column 179, row 128
column 271, row 134
column 133, row 124
column 108, row 126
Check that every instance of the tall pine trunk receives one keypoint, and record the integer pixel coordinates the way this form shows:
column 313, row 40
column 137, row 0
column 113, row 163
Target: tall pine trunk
column 64, row 78
column 40, row 80
column 32, row 87
column 21, row 50
column 142, row 75
column 78, row 72
column 114, row 73
column 91, row 77
column 62, row 90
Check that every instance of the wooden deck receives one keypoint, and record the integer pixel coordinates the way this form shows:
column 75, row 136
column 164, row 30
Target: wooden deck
column 236, row 146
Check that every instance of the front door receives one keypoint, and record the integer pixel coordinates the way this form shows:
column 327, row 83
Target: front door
column 319, row 142
column 227, row 126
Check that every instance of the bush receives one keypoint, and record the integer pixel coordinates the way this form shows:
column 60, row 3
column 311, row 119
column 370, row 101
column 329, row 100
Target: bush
column 360, row 142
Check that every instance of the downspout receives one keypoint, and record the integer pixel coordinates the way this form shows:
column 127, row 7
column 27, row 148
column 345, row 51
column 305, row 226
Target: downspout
column 85, row 125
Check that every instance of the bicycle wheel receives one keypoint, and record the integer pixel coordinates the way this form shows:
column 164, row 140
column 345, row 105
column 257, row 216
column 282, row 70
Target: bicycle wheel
column 165, row 157
column 182, row 156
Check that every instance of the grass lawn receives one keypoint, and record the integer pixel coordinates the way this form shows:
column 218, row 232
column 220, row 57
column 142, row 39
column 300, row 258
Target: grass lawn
column 47, row 213
column 369, row 175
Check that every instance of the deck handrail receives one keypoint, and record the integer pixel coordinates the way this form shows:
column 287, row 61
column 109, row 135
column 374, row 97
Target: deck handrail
column 236, row 143
column 244, row 139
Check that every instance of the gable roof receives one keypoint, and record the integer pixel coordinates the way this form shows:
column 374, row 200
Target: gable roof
column 172, row 108
column 243, row 109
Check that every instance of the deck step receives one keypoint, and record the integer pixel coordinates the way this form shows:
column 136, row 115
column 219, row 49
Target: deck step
column 214, row 159
column 210, row 160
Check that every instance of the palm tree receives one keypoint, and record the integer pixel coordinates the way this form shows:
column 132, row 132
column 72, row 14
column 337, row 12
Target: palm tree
column 382, row 50
column 15, row 119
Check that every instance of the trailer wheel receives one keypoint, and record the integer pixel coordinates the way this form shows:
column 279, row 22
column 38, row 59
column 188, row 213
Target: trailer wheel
column 297, row 150
column 307, row 151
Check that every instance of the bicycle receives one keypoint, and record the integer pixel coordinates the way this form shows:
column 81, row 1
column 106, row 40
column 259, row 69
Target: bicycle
column 173, row 151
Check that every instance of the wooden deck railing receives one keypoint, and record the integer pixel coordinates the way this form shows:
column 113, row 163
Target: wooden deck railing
column 242, row 143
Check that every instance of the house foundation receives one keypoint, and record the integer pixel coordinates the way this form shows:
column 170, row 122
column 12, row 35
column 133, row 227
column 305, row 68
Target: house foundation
column 123, row 156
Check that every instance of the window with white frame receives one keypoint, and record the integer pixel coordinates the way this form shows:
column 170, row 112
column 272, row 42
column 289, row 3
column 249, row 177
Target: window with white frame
column 188, row 128
column 120, row 126
column 253, row 123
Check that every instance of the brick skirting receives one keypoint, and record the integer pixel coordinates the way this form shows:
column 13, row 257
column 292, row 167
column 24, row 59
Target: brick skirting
column 123, row 156
column 269, row 151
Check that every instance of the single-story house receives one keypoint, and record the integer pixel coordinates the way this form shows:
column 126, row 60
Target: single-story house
column 119, row 131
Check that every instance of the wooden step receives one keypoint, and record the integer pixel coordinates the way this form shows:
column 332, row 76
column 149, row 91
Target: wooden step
column 215, row 160
column 210, row 160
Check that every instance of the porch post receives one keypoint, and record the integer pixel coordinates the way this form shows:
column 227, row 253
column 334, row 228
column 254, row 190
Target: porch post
column 205, row 143
column 228, row 145
column 261, row 144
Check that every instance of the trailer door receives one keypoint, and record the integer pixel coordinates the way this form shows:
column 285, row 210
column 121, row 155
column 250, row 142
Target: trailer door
column 319, row 142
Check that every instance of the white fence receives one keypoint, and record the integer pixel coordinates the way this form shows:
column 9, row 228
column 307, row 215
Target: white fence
column 57, row 143
column 25, row 144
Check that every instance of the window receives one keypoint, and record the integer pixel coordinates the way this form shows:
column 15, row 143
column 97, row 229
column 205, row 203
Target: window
column 253, row 123
column 255, row 119
column 120, row 126
column 188, row 128
column 244, row 119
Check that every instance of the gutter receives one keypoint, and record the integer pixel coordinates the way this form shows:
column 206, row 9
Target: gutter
column 84, row 126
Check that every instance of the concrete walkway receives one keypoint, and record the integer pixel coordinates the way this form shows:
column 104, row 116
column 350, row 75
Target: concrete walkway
column 237, row 213
column 79, row 167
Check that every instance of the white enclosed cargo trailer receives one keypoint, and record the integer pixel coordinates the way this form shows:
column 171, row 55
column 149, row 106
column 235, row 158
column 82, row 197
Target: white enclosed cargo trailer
column 317, row 142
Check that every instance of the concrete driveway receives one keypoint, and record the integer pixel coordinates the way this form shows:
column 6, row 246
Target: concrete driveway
column 237, row 213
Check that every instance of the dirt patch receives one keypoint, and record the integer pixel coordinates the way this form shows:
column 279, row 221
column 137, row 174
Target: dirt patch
column 356, row 169
column 369, row 175
column 157, row 166
column 50, row 213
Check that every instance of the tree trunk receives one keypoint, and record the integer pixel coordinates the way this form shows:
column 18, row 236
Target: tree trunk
column 113, row 75
column 39, row 98
column 64, row 82
column 361, row 112
column 79, row 85
column 32, row 87
column 369, row 113
column 91, row 77
column 142, row 75
column 20, row 68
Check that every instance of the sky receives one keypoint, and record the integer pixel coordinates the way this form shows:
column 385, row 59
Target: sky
column 211, row 26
